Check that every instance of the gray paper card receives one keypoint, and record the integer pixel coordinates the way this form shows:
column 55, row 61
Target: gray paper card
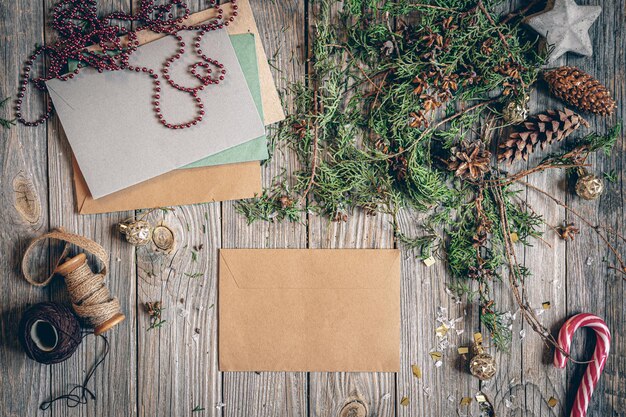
column 115, row 135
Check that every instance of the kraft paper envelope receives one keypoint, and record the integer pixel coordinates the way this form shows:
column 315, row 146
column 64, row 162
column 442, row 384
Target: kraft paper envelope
column 115, row 136
column 228, row 182
column 198, row 185
column 309, row 310
column 176, row 188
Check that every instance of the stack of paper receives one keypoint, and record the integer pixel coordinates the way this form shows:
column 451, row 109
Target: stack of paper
column 125, row 159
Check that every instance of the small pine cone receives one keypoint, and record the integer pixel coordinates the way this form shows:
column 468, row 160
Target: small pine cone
column 581, row 90
column 542, row 129
column 469, row 159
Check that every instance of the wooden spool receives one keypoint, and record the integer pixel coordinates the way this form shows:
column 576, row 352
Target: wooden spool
column 67, row 268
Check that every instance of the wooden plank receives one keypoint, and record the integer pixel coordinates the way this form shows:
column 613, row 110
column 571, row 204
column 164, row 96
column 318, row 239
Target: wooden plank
column 331, row 392
column 177, row 363
column 526, row 380
column 24, row 203
column 281, row 26
column 114, row 383
column 424, row 296
column 591, row 286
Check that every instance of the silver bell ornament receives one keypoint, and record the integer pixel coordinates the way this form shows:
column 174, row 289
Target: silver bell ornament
column 137, row 232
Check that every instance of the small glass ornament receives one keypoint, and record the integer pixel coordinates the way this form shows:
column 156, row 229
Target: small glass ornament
column 482, row 365
column 516, row 110
column 589, row 186
column 137, row 232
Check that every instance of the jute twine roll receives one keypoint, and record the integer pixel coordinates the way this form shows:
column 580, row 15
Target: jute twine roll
column 90, row 296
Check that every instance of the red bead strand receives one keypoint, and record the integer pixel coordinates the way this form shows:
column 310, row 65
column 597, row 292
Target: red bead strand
column 79, row 27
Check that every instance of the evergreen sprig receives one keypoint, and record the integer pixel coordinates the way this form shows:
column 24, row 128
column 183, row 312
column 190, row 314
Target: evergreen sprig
column 6, row 123
column 392, row 87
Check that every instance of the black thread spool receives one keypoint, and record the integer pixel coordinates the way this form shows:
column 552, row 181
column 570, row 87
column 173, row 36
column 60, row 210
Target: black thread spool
column 49, row 332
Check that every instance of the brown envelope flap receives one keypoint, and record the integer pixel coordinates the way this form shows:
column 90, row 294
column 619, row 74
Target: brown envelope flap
column 311, row 268
column 179, row 187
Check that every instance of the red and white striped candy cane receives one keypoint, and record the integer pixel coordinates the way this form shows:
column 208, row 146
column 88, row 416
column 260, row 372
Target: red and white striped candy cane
column 595, row 367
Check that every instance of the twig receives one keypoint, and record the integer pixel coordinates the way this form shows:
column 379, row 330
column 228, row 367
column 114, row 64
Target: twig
column 578, row 156
column 442, row 122
column 345, row 48
column 314, row 151
column 520, row 12
column 430, row 6
column 622, row 267
column 393, row 38
column 539, row 168
column 529, row 315
column 467, row 110
column 380, row 89
column 483, row 9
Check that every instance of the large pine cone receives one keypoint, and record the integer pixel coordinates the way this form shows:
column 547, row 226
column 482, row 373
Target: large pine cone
column 469, row 159
column 580, row 90
column 542, row 129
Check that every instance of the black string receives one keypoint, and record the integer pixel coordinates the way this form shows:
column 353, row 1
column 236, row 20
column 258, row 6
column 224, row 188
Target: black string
column 73, row 399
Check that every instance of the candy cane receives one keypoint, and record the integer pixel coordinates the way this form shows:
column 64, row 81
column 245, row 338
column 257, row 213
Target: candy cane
column 594, row 369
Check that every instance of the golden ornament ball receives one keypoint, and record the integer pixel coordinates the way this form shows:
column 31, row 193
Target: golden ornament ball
column 589, row 186
column 137, row 232
column 516, row 111
column 482, row 365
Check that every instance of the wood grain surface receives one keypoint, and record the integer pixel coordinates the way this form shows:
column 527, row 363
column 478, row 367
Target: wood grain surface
column 172, row 371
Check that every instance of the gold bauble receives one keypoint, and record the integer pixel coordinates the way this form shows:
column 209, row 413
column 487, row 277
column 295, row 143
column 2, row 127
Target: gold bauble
column 589, row 186
column 137, row 232
column 516, row 111
column 482, row 365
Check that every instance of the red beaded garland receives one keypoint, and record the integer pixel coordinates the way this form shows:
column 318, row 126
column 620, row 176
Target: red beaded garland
column 70, row 18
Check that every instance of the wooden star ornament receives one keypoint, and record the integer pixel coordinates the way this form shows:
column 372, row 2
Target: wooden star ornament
column 565, row 26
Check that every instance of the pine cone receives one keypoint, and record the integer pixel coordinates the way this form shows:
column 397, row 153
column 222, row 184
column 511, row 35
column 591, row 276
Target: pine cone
column 542, row 129
column 470, row 159
column 580, row 90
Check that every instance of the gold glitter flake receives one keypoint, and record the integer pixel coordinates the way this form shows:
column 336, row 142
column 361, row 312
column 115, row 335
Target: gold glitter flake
column 442, row 330
column 430, row 261
column 417, row 372
column 466, row 401
column 481, row 398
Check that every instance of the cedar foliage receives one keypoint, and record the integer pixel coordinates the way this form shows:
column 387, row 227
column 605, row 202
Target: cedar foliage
column 394, row 88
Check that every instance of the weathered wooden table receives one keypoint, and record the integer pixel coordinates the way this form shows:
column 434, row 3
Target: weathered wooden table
column 173, row 371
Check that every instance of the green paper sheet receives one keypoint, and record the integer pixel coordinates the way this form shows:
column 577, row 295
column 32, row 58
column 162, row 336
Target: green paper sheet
column 256, row 149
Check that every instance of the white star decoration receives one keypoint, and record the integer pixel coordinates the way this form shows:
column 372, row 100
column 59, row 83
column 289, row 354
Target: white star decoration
column 566, row 27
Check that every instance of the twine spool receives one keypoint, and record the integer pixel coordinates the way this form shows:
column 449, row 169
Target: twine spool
column 90, row 296
column 49, row 333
